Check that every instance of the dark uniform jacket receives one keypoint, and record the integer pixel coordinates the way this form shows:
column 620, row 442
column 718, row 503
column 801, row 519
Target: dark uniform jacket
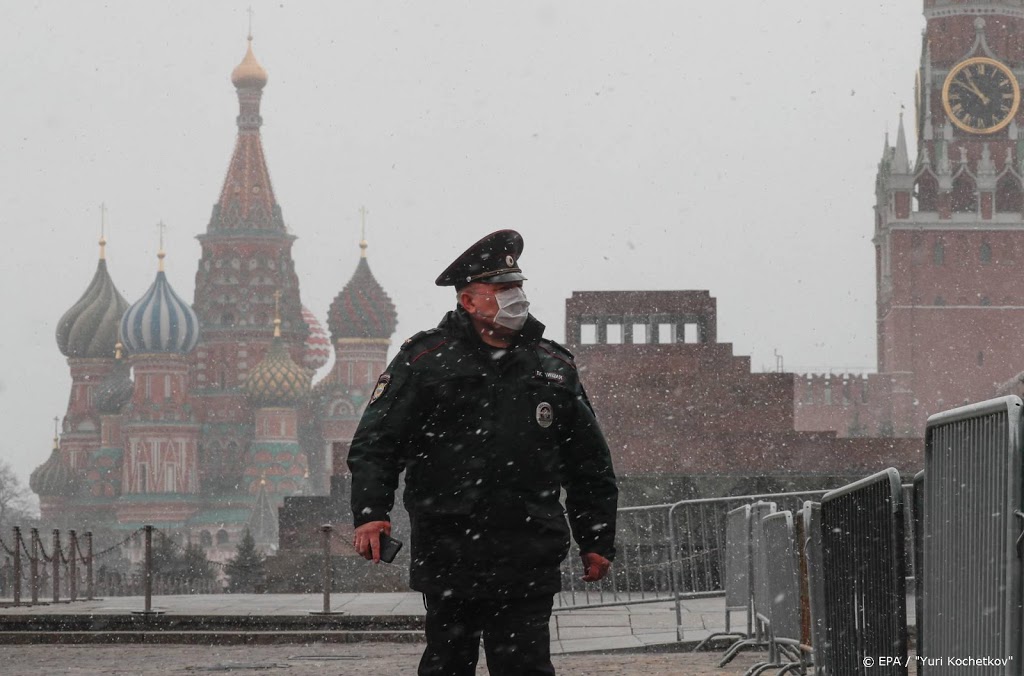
column 487, row 438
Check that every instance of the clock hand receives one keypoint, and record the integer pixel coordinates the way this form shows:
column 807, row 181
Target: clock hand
column 974, row 88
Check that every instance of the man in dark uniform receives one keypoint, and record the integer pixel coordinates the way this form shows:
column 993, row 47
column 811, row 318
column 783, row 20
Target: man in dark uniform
column 490, row 422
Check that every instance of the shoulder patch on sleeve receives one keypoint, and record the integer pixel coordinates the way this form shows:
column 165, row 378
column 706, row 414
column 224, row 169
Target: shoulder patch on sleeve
column 381, row 388
column 409, row 342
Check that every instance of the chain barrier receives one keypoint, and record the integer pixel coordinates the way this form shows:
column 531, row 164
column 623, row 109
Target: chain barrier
column 122, row 543
column 6, row 549
column 60, row 551
column 78, row 547
column 24, row 547
column 42, row 552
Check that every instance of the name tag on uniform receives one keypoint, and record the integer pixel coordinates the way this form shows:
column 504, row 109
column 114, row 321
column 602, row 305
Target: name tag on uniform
column 550, row 376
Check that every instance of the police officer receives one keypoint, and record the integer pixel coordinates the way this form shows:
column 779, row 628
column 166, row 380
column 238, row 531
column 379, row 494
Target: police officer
column 490, row 422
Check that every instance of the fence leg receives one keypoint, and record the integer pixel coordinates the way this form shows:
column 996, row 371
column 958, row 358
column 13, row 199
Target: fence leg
column 35, row 566
column 88, row 566
column 55, row 564
column 149, row 569
column 73, row 565
column 328, row 572
column 17, row 566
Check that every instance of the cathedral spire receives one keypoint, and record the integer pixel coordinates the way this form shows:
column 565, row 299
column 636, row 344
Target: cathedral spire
column 247, row 198
column 901, row 162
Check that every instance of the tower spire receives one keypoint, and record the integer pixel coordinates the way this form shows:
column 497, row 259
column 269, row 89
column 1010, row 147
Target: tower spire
column 56, row 437
column 362, row 240
column 277, row 314
column 250, row 13
column 901, row 162
column 160, row 254
column 103, row 231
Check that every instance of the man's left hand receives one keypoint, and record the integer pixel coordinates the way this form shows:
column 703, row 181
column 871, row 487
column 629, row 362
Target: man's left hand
column 595, row 566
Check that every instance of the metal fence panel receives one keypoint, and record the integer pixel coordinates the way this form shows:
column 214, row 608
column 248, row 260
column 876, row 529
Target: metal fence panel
column 971, row 589
column 783, row 576
column 811, row 514
column 737, row 559
column 759, row 550
column 864, row 561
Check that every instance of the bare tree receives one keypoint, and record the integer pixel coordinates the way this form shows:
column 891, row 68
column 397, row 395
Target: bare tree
column 15, row 505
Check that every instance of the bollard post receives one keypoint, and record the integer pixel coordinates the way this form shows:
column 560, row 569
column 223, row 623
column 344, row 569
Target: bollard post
column 73, row 566
column 35, row 566
column 149, row 569
column 326, row 530
column 88, row 566
column 55, row 563
column 17, row 566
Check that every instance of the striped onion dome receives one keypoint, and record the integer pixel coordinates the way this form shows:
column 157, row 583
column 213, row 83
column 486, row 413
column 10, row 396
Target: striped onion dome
column 277, row 380
column 54, row 478
column 89, row 328
column 362, row 309
column 317, row 350
column 160, row 322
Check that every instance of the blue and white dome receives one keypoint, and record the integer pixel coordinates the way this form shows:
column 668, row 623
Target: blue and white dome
column 160, row 322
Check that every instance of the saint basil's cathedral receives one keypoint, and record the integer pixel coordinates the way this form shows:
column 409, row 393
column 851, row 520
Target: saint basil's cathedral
column 201, row 418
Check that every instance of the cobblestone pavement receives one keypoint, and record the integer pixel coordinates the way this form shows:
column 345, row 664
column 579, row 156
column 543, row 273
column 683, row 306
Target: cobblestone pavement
column 365, row 659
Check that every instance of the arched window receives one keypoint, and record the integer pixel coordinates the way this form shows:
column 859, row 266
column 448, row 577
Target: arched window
column 222, row 537
column 1008, row 194
column 964, row 198
column 205, row 539
column 926, row 191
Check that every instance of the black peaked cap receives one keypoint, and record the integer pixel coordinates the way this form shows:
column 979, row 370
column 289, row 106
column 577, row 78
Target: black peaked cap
column 494, row 260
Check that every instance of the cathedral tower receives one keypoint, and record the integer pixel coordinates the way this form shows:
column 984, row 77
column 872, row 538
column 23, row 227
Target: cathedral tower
column 159, row 427
column 362, row 319
column 246, row 258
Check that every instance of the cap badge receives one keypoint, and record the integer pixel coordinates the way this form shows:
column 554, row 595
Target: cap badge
column 509, row 261
column 382, row 386
column 545, row 414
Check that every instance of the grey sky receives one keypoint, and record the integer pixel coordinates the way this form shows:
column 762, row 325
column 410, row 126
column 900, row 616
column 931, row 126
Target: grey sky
column 728, row 146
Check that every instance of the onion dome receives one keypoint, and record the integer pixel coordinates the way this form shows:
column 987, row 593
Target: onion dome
column 249, row 73
column 116, row 389
column 89, row 328
column 317, row 350
column 277, row 380
column 160, row 321
column 54, row 478
column 362, row 309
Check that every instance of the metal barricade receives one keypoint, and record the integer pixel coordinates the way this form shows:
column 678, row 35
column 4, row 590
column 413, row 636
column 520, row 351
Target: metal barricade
column 760, row 594
column 864, row 562
column 781, row 619
column 811, row 518
column 738, row 578
column 971, row 577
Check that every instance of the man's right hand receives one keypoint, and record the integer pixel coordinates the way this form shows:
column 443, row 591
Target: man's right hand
column 366, row 539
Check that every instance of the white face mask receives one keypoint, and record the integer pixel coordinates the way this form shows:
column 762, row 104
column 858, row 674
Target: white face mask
column 512, row 308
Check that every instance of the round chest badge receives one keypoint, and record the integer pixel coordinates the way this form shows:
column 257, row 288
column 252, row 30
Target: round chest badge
column 545, row 414
column 509, row 261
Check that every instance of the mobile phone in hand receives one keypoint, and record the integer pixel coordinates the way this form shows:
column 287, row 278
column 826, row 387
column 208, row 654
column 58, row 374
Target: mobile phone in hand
column 389, row 547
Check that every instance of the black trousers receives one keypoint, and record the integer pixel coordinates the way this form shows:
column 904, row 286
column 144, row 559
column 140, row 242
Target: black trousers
column 515, row 633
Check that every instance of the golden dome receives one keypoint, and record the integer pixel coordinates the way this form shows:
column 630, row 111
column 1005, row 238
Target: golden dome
column 277, row 380
column 249, row 73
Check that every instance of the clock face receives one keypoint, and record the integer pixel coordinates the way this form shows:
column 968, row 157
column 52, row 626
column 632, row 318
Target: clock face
column 980, row 95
